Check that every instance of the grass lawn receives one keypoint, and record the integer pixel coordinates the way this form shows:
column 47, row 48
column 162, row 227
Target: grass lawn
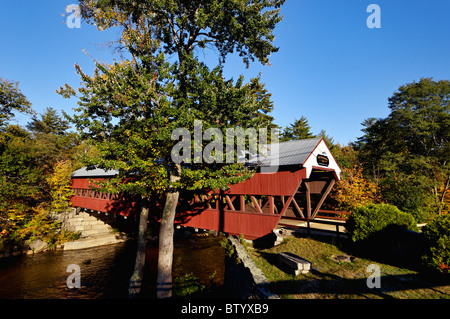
column 330, row 279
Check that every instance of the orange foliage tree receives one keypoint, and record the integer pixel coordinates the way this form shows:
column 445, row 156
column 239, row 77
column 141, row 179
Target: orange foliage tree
column 354, row 189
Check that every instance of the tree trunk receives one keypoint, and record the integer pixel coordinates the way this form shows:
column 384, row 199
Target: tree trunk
column 138, row 274
column 165, row 255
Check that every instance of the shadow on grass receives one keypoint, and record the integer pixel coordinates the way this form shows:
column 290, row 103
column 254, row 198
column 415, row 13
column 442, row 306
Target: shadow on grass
column 335, row 285
column 322, row 284
column 393, row 246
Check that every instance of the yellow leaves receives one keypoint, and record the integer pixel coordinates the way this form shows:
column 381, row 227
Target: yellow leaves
column 4, row 233
column 60, row 186
column 354, row 190
column 445, row 198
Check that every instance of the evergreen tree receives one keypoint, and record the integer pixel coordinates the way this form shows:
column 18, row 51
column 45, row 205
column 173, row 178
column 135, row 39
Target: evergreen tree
column 328, row 140
column 50, row 123
column 53, row 142
column 298, row 130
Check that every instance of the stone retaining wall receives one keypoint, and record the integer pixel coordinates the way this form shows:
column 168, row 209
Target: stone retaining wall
column 83, row 223
column 243, row 278
column 93, row 231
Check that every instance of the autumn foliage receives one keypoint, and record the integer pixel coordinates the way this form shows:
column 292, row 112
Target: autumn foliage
column 354, row 190
column 35, row 166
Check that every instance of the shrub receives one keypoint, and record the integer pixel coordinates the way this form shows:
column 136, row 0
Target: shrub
column 437, row 237
column 42, row 226
column 367, row 220
column 187, row 285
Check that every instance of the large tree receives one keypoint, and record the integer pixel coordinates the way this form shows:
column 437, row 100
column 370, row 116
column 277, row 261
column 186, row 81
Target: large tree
column 131, row 108
column 408, row 152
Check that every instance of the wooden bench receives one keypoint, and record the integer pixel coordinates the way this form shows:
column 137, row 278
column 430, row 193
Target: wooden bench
column 294, row 264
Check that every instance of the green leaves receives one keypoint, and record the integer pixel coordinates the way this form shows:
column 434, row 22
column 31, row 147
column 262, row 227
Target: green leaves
column 365, row 221
column 12, row 100
column 50, row 123
column 181, row 26
column 437, row 237
column 203, row 177
column 421, row 114
column 410, row 149
column 130, row 108
column 300, row 129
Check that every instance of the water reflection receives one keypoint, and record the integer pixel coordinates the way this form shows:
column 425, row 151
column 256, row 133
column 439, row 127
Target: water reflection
column 105, row 271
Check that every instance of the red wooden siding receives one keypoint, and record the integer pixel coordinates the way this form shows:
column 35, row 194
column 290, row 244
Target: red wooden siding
column 105, row 205
column 87, row 198
column 85, row 182
column 252, row 225
column 282, row 183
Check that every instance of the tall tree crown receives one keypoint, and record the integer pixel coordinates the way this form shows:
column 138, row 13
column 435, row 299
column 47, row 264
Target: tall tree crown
column 180, row 26
column 131, row 107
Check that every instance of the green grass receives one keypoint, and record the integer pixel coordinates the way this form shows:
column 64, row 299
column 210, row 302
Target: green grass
column 340, row 280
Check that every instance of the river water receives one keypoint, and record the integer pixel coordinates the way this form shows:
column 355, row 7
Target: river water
column 105, row 271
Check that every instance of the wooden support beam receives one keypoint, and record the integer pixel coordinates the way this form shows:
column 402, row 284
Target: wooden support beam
column 286, row 205
column 298, row 208
column 230, row 201
column 308, row 201
column 275, row 209
column 255, row 203
column 206, row 200
column 271, row 205
column 288, row 202
column 242, row 202
column 324, row 196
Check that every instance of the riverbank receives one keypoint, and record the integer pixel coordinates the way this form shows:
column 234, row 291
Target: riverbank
column 81, row 230
column 34, row 247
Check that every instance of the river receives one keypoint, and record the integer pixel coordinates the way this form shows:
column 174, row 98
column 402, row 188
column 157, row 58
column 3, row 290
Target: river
column 105, row 271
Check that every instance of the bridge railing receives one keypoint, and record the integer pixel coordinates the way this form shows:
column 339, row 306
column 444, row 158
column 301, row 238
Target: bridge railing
column 333, row 214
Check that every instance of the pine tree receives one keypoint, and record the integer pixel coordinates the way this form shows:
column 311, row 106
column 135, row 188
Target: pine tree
column 298, row 130
column 50, row 123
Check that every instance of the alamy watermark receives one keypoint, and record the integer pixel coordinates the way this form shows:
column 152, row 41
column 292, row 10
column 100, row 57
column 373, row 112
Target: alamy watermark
column 73, row 19
column 374, row 19
column 374, row 279
column 74, row 279
column 251, row 146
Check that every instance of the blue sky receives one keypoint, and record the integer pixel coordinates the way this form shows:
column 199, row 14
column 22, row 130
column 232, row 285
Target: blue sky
column 331, row 68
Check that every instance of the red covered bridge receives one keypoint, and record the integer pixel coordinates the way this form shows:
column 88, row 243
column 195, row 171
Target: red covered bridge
column 302, row 177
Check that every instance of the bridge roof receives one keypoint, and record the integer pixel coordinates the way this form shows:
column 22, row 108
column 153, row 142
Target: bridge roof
column 309, row 153
column 294, row 152
column 96, row 172
column 305, row 152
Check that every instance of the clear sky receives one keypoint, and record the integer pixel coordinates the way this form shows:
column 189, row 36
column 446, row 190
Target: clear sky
column 331, row 68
